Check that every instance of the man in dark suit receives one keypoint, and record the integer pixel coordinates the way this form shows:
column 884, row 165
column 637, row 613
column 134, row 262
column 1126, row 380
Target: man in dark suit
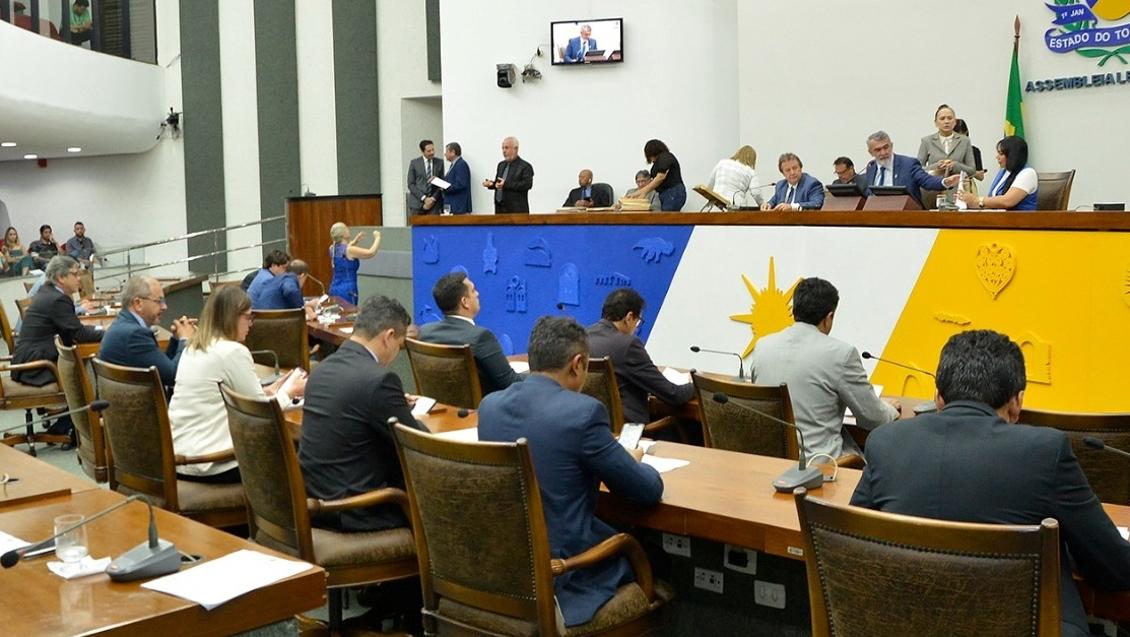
column 455, row 295
column 512, row 180
column 888, row 169
column 346, row 447
column 423, row 197
column 51, row 314
column 844, row 168
column 970, row 463
column 798, row 190
column 573, row 452
column 585, row 196
column 458, row 195
column 130, row 340
column 614, row 336
column 577, row 48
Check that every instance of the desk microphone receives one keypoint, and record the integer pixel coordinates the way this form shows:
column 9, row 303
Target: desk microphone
column 801, row 475
column 741, row 367
column 870, row 356
column 463, row 412
column 96, row 406
column 1095, row 443
column 269, row 379
column 315, row 280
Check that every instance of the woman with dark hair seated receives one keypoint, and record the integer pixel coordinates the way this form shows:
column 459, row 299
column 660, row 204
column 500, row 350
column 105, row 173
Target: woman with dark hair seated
column 1014, row 187
column 666, row 177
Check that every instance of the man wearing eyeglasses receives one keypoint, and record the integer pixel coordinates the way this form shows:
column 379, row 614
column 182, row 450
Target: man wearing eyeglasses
column 131, row 341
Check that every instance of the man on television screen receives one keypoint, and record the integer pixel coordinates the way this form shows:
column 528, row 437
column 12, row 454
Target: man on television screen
column 580, row 45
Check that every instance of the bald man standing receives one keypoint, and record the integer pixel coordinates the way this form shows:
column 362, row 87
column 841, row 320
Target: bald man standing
column 512, row 182
column 584, row 196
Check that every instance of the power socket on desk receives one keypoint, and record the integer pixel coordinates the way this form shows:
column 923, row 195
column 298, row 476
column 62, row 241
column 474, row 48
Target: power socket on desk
column 740, row 559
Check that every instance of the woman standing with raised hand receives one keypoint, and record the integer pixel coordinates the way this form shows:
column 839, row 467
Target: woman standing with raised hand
column 345, row 255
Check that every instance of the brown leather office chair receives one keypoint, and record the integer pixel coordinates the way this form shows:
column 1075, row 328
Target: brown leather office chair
column 875, row 573
column 728, row 426
column 1108, row 473
column 93, row 455
column 136, row 425
column 14, row 395
column 1054, row 190
column 279, row 511
column 483, row 546
column 284, row 333
column 22, row 305
column 602, row 385
column 445, row 372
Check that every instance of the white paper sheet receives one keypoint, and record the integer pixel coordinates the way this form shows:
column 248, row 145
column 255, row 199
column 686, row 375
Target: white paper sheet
column 423, row 405
column 1125, row 532
column 441, row 183
column 663, row 465
column 520, row 367
column 675, row 376
column 10, row 543
column 84, row 567
column 210, row 584
column 461, row 435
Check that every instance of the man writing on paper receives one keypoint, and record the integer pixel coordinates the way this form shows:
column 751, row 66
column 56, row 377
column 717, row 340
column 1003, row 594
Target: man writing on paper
column 423, row 196
column 573, row 451
column 970, row 462
column 583, row 196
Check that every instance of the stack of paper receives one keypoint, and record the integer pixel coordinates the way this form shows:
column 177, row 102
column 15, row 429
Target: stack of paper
column 675, row 376
column 520, row 367
column 635, row 205
column 221, row 580
column 663, row 465
column 423, row 405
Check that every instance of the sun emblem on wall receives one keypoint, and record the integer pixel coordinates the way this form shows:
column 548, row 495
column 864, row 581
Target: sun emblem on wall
column 771, row 311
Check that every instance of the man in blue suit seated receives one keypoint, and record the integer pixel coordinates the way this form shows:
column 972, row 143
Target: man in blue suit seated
column 130, row 340
column 888, row 169
column 573, row 452
column 274, row 264
column 580, row 45
column 281, row 292
column 458, row 194
column 798, row 190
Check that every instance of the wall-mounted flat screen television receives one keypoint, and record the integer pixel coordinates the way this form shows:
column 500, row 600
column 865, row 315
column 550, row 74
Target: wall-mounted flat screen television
column 580, row 42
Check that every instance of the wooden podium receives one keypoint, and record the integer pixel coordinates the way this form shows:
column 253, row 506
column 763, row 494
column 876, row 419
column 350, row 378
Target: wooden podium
column 832, row 202
column 889, row 202
column 308, row 226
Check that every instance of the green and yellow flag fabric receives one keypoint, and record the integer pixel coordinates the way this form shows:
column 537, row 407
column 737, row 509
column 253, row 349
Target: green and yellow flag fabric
column 1014, row 105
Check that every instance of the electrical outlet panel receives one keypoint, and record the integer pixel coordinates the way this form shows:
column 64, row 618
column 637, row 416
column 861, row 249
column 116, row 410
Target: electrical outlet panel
column 708, row 580
column 740, row 559
column 769, row 594
column 676, row 544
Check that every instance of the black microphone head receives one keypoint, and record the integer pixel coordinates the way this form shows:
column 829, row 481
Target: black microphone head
column 9, row 559
column 1093, row 442
column 720, row 397
column 696, row 349
column 99, row 405
column 560, row 307
column 867, row 355
column 463, row 412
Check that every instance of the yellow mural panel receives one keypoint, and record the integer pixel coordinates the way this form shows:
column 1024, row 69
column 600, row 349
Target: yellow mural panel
column 1061, row 295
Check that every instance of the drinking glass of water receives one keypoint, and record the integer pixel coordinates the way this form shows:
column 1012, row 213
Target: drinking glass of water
column 71, row 546
column 446, row 209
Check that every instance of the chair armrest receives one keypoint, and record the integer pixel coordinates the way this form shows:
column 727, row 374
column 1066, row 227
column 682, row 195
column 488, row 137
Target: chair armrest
column 388, row 495
column 16, row 367
column 850, row 461
column 619, row 543
column 216, row 456
column 660, row 425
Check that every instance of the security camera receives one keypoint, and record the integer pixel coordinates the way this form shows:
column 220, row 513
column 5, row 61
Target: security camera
column 505, row 75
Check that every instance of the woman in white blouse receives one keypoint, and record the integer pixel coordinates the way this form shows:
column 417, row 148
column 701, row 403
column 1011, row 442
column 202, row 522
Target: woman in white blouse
column 736, row 178
column 1015, row 186
column 216, row 354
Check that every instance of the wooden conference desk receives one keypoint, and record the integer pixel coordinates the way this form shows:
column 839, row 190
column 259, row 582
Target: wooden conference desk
column 86, row 350
column 37, row 602
column 35, row 479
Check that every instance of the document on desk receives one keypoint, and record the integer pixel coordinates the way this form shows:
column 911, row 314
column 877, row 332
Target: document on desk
column 423, row 405
column 223, row 579
column 460, row 435
column 663, row 465
column 10, row 543
column 675, row 376
column 520, row 367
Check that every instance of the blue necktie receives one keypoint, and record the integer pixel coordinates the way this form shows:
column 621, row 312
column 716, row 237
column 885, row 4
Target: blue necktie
column 882, row 176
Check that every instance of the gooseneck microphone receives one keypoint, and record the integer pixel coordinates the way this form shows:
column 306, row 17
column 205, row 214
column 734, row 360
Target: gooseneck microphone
column 274, row 355
column 96, row 406
column 870, row 356
column 801, row 475
column 1095, row 443
column 741, row 366
column 463, row 412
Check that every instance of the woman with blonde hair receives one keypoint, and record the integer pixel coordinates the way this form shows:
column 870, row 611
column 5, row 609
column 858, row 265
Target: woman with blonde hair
column 735, row 178
column 215, row 355
column 345, row 255
column 15, row 254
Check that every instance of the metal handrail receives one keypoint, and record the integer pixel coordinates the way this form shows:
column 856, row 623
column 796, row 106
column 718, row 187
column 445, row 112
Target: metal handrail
column 193, row 235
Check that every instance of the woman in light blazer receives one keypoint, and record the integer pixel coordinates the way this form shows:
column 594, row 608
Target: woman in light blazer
column 946, row 152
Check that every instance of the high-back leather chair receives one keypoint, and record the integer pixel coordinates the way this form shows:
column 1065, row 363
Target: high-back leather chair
column 483, row 546
column 1054, row 190
column 728, row 426
column 22, row 304
column 1108, row 473
column 284, row 333
column 602, row 385
column 875, row 573
column 279, row 511
column 93, row 455
column 445, row 372
column 136, row 425
column 14, row 395
column 605, row 189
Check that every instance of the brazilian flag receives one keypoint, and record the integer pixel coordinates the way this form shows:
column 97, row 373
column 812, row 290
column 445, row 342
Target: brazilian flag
column 1014, row 105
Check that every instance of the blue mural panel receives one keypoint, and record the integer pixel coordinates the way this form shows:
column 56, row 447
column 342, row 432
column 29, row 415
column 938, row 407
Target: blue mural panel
column 528, row 270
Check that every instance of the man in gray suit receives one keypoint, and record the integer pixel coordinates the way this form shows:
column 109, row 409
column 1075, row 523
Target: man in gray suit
column 824, row 374
column 423, row 197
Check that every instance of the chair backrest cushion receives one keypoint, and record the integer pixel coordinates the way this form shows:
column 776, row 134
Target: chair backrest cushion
column 137, row 430
column 446, row 373
column 284, row 333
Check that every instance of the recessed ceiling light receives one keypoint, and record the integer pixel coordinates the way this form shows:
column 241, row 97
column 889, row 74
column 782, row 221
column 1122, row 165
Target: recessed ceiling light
column 74, row 149
column 8, row 144
column 31, row 156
